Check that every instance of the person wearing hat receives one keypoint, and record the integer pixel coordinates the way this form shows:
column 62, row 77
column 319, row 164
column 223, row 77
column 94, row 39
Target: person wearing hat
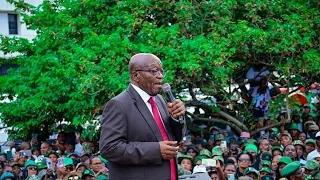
column 293, row 171
column 265, row 171
column 16, row 170
column 293, row 130
column 283, row 161
column 53, row 156
column 277, row 150
column 217, row 139
column 186, row 162
column 285, row 139
column 81, row 167
column 290, row 151
column 253, row 150
column 217, row 151
column 313, row 129
column 198, row 159
column 192, row 151
column 311, row 166
column 315, row 152
column 310, row 145
column 68, row 164
column 252, row 172
column 7, row 176
column 88, row 175
column 31, row 168
column 300, row 149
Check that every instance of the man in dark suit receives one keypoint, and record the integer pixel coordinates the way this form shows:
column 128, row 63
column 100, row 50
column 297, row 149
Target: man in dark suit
column 140, row 133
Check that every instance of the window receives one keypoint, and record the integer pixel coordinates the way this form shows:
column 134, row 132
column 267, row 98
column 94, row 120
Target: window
column 13, row 23
column 5, row 67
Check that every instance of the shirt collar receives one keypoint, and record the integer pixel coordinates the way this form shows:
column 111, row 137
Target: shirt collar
column 145, row 96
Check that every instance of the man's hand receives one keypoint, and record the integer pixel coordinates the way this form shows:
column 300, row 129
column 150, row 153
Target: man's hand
column 176, row 108
column 168, row 149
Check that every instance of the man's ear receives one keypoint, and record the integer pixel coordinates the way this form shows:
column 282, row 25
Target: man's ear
column 135, row 76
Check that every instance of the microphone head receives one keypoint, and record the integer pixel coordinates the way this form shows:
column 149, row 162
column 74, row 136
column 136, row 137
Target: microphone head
column 166, row 87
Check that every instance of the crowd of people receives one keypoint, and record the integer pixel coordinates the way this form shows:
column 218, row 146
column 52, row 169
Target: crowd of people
column 290, row 151
column 67, row 157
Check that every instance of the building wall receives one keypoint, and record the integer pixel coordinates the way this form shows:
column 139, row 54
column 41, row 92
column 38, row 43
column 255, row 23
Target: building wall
column 5, row 9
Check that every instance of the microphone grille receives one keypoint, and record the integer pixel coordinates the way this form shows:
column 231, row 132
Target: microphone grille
column 166, row 87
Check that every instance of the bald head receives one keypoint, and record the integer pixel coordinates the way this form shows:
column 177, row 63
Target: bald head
column 141, row 60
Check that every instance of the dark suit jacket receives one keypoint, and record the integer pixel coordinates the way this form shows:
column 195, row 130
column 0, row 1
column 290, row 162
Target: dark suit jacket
column 130, row 137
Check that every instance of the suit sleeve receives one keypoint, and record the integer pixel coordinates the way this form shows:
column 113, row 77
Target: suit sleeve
column 113, row 140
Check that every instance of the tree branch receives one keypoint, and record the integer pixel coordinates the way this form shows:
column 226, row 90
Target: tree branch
column 266, row 127
column 233, row 126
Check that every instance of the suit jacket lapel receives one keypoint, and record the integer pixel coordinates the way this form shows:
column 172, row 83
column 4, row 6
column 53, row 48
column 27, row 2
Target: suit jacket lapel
column 164, row 117
column 142, row 107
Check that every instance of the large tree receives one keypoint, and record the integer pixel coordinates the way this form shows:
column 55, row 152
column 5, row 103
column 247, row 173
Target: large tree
column 78, row 60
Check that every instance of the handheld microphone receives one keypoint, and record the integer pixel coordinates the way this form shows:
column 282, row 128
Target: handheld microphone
column 167, row 90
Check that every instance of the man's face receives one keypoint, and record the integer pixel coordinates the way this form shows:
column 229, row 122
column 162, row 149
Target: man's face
column 274, row 163
column 149, row 77
column 44, row 148
column 244, row 161
column 264, row 145
column 318, row 141
column 285, row 140
column 302, row 137
column 309, row 147
column 290, row 151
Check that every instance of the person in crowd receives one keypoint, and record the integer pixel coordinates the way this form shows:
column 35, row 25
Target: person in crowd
column 293, row 171
column 302, row 136
column 244, row 161
column 283, row 161
column 31, row 167
column 97, row 168
column 45, row 147
column 192, row 151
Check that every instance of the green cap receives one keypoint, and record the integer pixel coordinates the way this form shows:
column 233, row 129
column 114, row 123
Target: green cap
column 293, row 126
column 3, row 153
column 87, row 173
column 266, row 178
column 251, row 170
column 265, row 163
column 41, row 164
column 67, row 162
column 266, row 156
column 277, row 148
column 285, row 160
column 311, row 165
column 205, row 152
column 290, row 169
column 217, row 151
column 218, row 137
column 7, row 175
column 185, row 157
column 298, row 142
column 29, row 163
column 266, row 169
column 220, row 158
column 102, row 177
column 313, row 127
column 310, row 141
column 252, row 141
column 251, row 147
column 197, row 158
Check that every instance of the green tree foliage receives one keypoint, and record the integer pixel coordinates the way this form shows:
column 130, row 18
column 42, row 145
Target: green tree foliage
column 78, row 61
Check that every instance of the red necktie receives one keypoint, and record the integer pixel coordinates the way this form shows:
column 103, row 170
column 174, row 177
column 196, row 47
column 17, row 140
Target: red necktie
column 157, row 118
